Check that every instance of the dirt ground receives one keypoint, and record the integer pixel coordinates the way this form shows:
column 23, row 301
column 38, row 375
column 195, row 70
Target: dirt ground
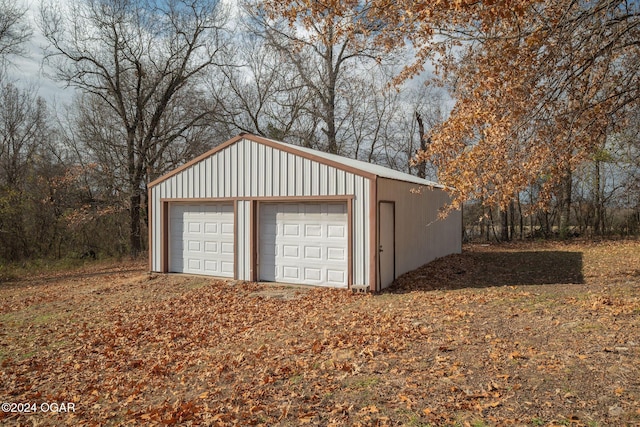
column 536, row 334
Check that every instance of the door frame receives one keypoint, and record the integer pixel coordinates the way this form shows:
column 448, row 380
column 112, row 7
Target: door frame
column 393, row 231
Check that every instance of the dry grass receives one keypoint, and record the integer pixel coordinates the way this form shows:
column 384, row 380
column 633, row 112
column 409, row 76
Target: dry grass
column 535, row 334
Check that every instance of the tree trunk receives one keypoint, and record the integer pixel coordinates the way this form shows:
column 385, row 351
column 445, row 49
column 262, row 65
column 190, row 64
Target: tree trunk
column 565, row 205
column 597, row 223
column 135, row 235
column 504, row 228
column 521, row 218
column 493, row 227
column 135, row 197
column 422, row 166
column 332, row 146
column 483, row 221
column 512, row 223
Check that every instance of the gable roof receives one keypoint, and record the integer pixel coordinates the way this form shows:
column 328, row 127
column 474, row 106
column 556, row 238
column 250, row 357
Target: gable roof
column 335, row 160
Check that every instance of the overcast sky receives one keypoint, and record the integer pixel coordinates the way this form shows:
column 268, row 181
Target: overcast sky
column 27, row 71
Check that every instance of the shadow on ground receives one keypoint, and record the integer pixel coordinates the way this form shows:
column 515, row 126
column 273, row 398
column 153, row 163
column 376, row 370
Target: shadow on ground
column 481, row 269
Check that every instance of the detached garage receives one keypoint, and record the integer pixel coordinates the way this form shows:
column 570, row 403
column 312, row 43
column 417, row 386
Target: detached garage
column 261, row 210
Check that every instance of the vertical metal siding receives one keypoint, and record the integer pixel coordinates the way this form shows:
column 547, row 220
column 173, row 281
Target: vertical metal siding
column 225, row 184
column 233, row 173
column 421, row 235
column 360, row 216
column 243, row 240
column 268, row 171
column 248, row 169
column 155, row 226
column 292, row 175
column 324, row 187
column 341, row 181
column 308, row 177
column 276, row 172
column 261, row 171
column 206, row 183
column 193, row 180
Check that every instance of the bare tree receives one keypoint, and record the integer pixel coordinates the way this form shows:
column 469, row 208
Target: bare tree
column 14, row 30
column 138, row 60
column 259, row 93
column 22, row 132
column 323, row 56
column 429, row 113
column 22, row 118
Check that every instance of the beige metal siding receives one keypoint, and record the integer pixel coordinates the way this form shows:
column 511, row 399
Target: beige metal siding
column 420, row 235
column 243, row 240
column 246, row 170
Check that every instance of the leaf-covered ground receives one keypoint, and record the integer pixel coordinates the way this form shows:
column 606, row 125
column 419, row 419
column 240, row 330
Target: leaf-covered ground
column 544, row 334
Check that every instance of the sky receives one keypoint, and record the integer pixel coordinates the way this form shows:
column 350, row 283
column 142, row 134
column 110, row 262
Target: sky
column 27, row 71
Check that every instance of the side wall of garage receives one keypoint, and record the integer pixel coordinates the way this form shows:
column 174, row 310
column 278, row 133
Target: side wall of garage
column 244, row 172
column 420, row 235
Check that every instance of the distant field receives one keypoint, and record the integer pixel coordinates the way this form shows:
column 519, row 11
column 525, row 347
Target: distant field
column 528, row 334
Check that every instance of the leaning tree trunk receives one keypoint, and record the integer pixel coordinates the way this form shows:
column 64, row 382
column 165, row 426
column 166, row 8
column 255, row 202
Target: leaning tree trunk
column 424, row 141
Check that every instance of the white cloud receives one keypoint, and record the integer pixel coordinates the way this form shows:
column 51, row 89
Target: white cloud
column 27, row 70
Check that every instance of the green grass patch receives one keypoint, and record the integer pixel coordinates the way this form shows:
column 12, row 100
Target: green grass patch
column 363, row 383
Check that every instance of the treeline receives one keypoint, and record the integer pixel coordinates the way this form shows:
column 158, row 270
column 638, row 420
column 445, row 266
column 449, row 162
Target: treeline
column 158, row 83
column 599, row 198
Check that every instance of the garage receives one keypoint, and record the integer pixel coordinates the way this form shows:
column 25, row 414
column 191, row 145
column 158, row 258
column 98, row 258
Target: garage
column 304, row 243
column 201, row 239
column 260, row 210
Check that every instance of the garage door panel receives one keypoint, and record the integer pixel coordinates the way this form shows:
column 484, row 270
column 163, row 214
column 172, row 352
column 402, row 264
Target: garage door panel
column 336, row 231
column 199, row 239
column 291, row 272
column 335, row 276
column 211, row 247
column 313, row 274
column 228, row 229
column 291, row 251
column 335, row 209
column 302, row 242
column 311, row 208
column 194, row 246
column 289, row 208
column 336, row 254
column 211, row 228
column 268, row 251
column 227, row 248
column 269, row 230
column 312, row 230
column 211, row 265
column 291, row 230
column 313, row 253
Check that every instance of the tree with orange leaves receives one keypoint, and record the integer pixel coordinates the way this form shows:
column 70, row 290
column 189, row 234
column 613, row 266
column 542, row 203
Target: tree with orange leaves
column 538, row 85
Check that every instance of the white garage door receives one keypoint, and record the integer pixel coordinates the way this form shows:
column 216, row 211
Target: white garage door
column 304, row 243
column 201, row 239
